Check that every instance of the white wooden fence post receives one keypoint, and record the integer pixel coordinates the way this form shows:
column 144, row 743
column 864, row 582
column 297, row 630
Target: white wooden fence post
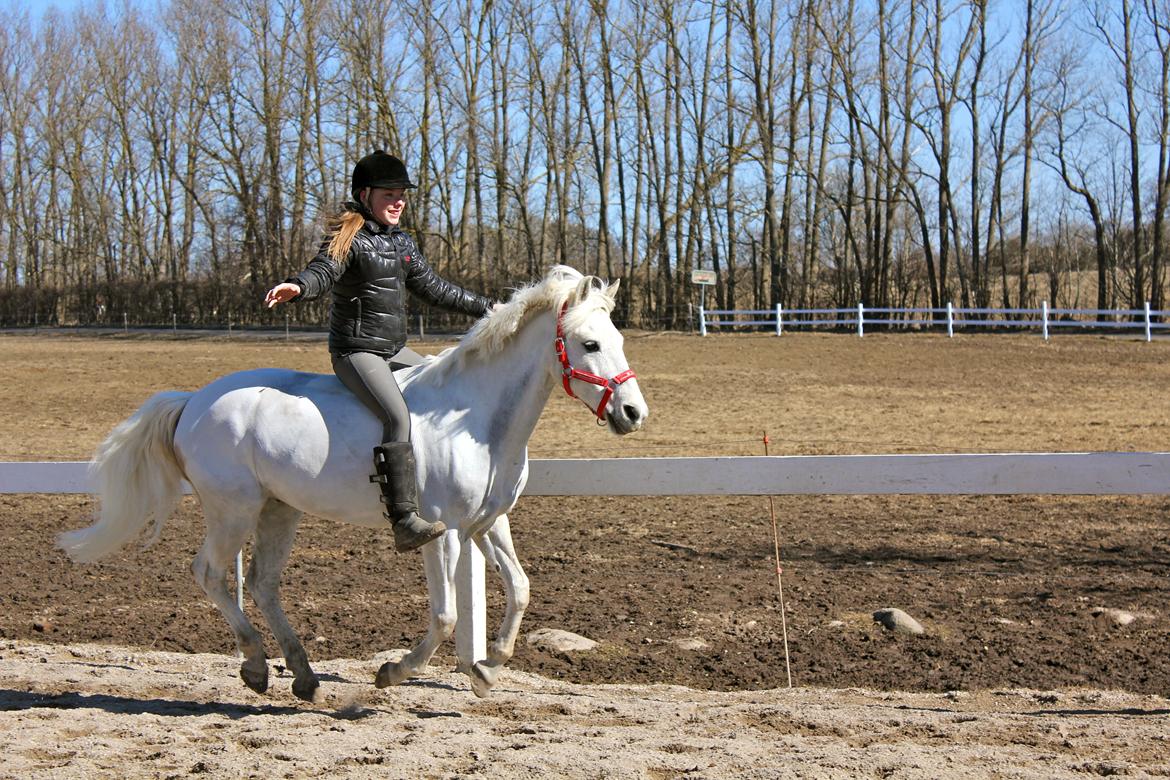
column 1044, row 313
column 125, row 323
column 702, row 321
column 950, row 320
column 175, row 324
column 470, row 602
column 780, row 319
column 1148, row 337
column 860, row 320
column 240, row 579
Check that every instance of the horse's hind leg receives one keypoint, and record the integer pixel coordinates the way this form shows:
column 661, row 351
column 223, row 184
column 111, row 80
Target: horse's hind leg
column 227, row 530
column 497, row 548
column 270, row 551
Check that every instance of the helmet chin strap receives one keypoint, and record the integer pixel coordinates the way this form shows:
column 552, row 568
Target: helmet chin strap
column 569, row 373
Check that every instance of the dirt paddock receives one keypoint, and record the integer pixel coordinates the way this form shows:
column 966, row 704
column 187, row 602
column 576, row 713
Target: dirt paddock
column 1020, row 673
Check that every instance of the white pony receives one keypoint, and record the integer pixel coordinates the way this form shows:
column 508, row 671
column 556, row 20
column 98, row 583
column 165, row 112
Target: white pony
column 262, row 447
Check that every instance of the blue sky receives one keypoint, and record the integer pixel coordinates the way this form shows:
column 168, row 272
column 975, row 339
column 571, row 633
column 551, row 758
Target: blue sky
column 40, row 6
column 37, row 8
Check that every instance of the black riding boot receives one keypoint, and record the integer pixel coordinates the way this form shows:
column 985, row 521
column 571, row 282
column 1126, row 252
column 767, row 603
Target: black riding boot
column 396, row 476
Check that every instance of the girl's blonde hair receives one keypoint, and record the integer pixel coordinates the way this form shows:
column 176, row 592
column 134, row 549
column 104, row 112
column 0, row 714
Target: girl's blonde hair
column 343, row 228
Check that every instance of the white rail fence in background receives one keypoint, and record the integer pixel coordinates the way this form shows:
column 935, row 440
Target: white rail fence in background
column 951, row 317
column 1099, row 473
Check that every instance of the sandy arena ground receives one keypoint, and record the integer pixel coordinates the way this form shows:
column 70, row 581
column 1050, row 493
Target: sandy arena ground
column 1019, row 673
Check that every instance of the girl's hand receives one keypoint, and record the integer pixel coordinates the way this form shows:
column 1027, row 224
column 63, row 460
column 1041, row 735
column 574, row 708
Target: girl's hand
column 282, row 293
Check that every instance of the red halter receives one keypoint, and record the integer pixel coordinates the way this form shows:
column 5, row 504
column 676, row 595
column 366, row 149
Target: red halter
column 568, row 372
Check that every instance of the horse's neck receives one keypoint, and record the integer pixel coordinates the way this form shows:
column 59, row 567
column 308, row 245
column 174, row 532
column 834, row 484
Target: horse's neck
column 511, row 387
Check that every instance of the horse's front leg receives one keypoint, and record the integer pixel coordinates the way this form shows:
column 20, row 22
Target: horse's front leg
column 497, row 548
column 440, row 558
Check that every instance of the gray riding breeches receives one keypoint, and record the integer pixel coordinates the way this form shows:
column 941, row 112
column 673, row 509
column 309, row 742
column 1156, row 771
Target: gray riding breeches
column 371, row 379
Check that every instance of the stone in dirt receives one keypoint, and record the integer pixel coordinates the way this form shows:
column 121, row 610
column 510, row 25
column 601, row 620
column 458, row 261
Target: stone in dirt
column 560, row 641
column 1117, row 616
column 898, row 621
column 690, row 643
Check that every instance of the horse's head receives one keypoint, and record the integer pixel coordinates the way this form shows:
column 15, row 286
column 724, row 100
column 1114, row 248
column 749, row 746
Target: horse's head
column 588, row 363
column 591, row 360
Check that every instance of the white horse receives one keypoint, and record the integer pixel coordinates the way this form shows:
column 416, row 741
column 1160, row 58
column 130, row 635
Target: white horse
column 262, row 447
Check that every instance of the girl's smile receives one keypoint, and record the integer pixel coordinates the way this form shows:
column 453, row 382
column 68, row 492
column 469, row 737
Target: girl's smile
column 385, row 204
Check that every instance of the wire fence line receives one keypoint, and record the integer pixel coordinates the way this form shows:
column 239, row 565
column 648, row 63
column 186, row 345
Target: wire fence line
column 286, row 329
column 949, row 317
column 699, row 319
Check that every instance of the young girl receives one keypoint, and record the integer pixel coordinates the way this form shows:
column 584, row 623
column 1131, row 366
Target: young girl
column 367, row 260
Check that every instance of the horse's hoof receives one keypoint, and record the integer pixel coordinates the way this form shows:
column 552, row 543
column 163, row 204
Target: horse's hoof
column 256, row 679
column 390, row 673
column 483, row 677
column 306, row 689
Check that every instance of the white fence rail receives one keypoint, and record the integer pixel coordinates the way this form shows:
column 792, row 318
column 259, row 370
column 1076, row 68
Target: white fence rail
column 1065, row 473
column 950, row 317
column 1099, row 473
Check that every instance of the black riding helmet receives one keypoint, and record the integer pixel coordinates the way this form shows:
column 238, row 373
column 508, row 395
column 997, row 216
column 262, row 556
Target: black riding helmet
column 379, row 169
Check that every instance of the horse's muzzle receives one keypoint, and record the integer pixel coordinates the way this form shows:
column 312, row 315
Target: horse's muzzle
column 626, row 418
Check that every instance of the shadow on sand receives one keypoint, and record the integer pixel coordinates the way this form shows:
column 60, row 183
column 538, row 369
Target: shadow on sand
column 124, row 705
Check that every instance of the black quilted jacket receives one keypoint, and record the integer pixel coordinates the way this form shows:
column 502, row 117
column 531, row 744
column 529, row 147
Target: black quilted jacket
column 369, row 313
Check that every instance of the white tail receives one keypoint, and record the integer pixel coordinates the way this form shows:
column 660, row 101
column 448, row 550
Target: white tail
column 136, row 477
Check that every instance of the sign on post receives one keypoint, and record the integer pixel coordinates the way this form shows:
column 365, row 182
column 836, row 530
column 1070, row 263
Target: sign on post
column 703, row 278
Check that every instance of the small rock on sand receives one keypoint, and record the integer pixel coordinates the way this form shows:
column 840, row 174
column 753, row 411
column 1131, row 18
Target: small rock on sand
column 690, row 643
column 1116, row 616
column 560, row 641
column 898, row 621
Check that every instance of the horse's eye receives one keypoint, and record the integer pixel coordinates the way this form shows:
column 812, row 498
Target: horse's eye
column 592, row 346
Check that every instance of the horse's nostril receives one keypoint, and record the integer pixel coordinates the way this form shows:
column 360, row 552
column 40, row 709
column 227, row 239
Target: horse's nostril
column 632, row 413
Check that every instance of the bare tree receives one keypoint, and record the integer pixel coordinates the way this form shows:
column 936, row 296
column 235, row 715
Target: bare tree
column 1071, row 154
column 980, row 283
column 947, row 84
column 1158, row 16
column 1116, row 28
column 761, row 26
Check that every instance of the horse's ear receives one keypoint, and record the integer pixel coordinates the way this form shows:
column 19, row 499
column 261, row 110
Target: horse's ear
column 581, row 291
column 612, row 289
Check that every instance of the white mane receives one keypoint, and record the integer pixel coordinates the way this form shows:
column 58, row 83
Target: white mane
column 585, row 295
